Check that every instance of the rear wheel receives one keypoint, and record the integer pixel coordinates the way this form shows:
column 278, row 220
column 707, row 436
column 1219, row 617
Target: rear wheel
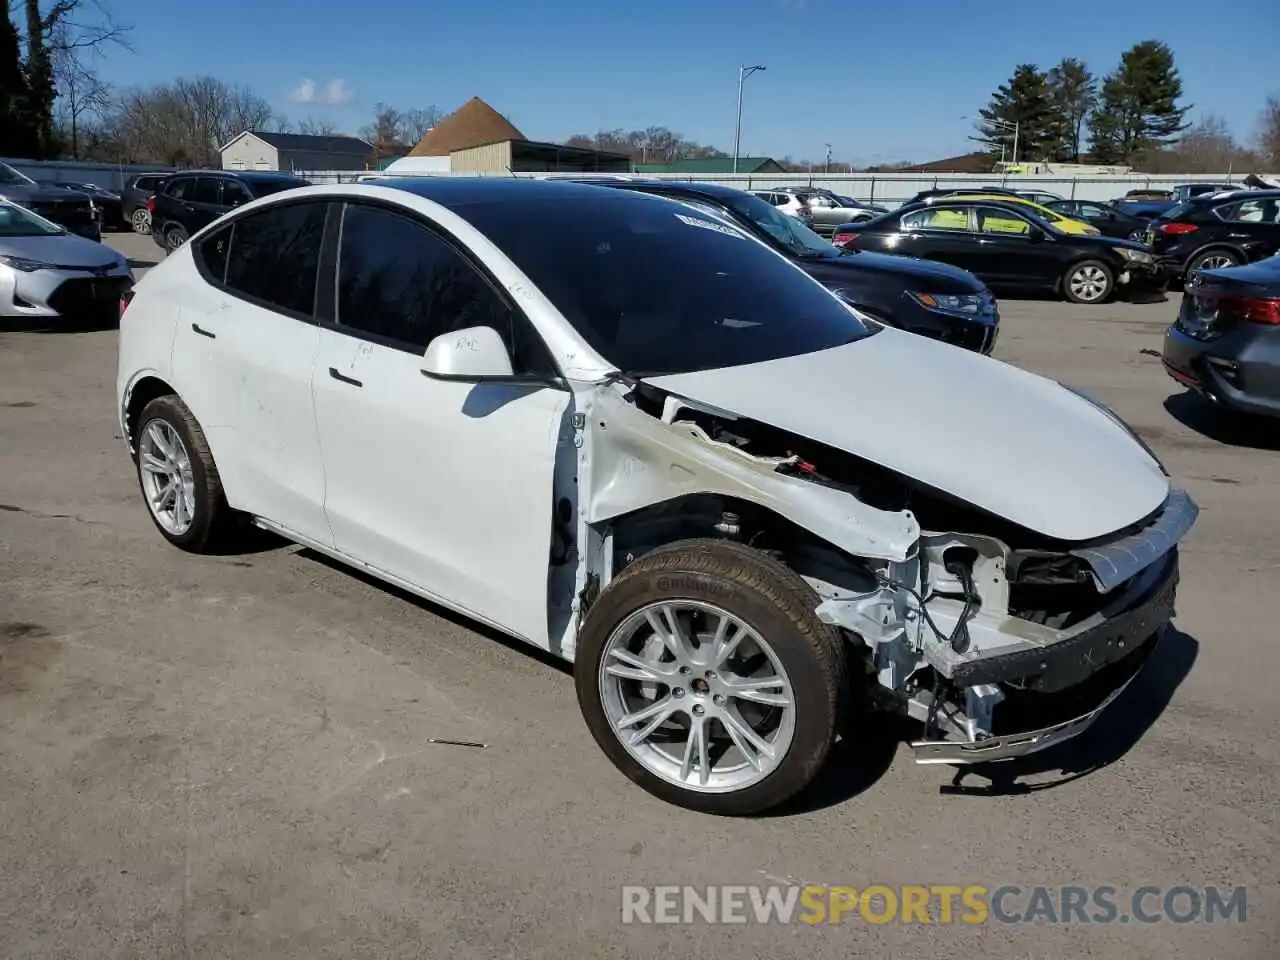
column 174, row 237
column 706, row 678
column 179, row 479
column 140, row 221
column 1088, row 282
column 1211, row 260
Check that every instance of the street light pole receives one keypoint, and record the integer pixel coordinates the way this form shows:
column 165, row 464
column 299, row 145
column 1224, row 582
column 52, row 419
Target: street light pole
column 743, row 73
column 827, row 166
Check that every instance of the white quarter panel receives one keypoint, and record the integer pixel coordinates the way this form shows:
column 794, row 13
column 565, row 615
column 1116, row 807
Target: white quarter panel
column 249, row 386
column 1013, row 443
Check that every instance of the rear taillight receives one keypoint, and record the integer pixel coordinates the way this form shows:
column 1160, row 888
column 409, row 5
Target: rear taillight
column 1253, row 309
column 1178, row 229
column 125, row 299
column 844, row 239
column 151, row 205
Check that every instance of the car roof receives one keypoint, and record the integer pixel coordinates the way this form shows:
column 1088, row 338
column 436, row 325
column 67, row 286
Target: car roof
column 684, row 188
column 249, row 175
column 454, row 192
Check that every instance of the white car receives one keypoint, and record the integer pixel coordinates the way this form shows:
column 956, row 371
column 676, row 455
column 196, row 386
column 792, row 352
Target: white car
column 627, row 433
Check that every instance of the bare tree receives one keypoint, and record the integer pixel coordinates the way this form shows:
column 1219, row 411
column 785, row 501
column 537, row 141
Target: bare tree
column 1269, row 134
column 384, row 132
column 415, row 123
column 187, row 121
column 82, row 94
column 317, row 127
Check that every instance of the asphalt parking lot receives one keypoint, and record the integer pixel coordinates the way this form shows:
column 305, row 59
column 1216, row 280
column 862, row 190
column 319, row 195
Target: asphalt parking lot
column 227, row 756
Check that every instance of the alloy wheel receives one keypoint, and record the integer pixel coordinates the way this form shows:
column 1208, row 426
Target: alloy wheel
column 141, row 221
column 167, row 480
column 1215, row 261
column 697, row 696
column 1089, row 284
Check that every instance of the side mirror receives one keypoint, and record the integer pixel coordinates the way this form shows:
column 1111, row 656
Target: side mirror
column 470, row 354
column 1036, row 235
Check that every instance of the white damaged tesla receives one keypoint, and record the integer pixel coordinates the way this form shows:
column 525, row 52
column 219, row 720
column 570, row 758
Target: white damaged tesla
column 629, row 434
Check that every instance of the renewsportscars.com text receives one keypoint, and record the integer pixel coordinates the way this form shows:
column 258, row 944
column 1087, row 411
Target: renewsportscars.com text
column 934, row 904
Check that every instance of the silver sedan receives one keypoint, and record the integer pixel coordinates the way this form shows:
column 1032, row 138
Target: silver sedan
column 45, row 271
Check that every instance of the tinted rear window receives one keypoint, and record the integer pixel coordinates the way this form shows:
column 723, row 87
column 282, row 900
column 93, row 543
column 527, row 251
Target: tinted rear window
column 269, row 185
column 655, row 287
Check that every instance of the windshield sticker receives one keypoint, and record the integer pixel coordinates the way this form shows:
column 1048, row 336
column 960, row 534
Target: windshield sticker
column 708, row 225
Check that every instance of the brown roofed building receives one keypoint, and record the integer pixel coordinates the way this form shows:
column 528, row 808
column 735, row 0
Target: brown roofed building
column 472, row 124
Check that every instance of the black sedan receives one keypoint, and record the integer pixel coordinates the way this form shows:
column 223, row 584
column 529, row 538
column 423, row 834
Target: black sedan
column 107, row 203
column 1214, row 231
column 1225, row 343
column 1111, row 221
column 932, row 299
column 1006, row 245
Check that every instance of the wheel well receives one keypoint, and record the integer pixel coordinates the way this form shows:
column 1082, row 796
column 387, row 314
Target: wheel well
column 143, row 392
column 1217, row 247
column 712, row 515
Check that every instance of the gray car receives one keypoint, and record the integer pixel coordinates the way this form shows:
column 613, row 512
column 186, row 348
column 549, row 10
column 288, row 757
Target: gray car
column 1225, row 344
column 48, row 272
column 70, row 208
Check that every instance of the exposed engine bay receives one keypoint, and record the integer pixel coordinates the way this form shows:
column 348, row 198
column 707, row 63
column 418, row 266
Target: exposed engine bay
column 953, row 611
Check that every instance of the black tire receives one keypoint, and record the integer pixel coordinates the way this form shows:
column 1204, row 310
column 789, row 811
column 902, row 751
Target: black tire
column 213, row 518
column 1075, row 269
column 1196, row 263
column 174, row 237
column 777, row 604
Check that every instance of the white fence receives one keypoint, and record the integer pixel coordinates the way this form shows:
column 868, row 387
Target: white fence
column 889, row 189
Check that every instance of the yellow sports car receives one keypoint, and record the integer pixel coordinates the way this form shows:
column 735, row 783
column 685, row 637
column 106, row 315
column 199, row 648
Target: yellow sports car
column 1065, row 224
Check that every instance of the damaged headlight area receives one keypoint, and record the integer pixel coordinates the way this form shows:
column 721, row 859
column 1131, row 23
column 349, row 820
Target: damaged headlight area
column 999, row 640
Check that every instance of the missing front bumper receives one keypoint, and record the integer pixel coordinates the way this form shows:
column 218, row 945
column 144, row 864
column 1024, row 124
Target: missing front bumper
column 1069, row 714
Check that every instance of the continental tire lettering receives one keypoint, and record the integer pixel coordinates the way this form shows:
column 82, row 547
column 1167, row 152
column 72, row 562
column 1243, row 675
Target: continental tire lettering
column 677, row 585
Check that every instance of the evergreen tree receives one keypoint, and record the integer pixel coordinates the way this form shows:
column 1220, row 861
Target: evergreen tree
column 1073, row 91
column 17, row 129
column 1024, row 107
column 1138, row 110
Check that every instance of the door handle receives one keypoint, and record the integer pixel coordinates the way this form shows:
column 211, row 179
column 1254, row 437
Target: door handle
column 333, row 372
column 203, row 332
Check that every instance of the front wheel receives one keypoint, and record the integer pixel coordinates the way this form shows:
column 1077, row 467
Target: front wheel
column 1088, row 282
column 704, row 675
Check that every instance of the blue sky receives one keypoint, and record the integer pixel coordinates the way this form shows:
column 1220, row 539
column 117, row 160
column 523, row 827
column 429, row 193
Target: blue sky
column 879, row 81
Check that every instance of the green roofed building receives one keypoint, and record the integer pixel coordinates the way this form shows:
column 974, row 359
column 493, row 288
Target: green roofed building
column 713, row 165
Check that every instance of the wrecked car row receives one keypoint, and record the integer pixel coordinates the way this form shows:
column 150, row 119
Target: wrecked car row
column 625, row 431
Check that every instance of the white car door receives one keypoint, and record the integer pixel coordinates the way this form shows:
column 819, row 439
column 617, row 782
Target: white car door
column 243, row 355
column 447, row 486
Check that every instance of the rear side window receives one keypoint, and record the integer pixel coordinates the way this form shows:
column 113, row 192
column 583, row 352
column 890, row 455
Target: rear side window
column 405, row 285
column 206, row 191
column 1251, row 211
column 234, row 192
column 147, row 183
column 212, row 253
column 275, row 256
column 933, row 218
column 181, row 188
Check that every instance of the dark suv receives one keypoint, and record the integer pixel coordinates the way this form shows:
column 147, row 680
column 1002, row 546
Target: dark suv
column 189, row 201
column 1215, row 231
column 133, row 199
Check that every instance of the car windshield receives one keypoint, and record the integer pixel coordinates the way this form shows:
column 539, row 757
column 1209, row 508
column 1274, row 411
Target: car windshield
column 654, row 287
column 788, row 231
column 16, row 221
column 11, row 177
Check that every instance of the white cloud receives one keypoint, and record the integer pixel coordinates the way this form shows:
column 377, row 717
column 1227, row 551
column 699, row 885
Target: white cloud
column 334, row 92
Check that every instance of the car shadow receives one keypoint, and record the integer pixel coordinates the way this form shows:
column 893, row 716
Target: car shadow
column 72, row 324
column 1223, row 425
column 137, row 264
column 435, row 609
column 1111, row 737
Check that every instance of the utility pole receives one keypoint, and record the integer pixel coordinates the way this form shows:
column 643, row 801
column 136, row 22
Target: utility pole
column 827, row 166
column 743, row 73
